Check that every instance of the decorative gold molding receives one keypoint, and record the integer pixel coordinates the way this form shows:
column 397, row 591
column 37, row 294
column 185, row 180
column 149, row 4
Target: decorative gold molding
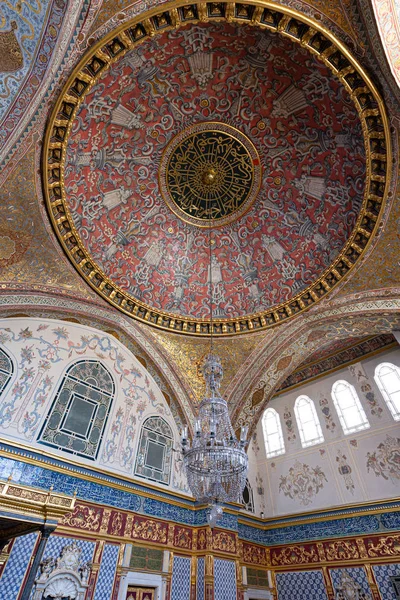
column 266, row 15
column 31, row 502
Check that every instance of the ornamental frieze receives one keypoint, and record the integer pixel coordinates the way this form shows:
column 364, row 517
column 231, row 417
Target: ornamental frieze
column 224, row 542
column 295, row 555
column 255, row 555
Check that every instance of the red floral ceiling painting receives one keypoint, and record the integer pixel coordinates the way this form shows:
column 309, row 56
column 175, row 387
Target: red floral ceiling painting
column 297, row 129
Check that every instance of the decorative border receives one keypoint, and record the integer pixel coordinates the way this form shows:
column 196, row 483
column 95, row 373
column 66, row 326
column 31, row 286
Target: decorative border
column 253, row 158
column 308, row 372
column 266, row 15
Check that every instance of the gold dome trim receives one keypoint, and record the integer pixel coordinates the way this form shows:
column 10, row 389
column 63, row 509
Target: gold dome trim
column 267, row 15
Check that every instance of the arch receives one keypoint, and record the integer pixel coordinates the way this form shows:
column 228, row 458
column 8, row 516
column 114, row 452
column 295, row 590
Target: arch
column 272, row 430
column 307, row 422
column 276, row 357
column 387, row 377
column 78, row 415
column 154, row 455
column 348, row 407
column 247, row 497
column 6, row 369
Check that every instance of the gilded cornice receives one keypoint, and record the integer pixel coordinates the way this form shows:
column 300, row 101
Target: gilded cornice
column 21, row 500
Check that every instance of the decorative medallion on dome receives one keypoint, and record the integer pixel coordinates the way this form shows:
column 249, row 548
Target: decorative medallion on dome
column 273, row 125
column 210, row 172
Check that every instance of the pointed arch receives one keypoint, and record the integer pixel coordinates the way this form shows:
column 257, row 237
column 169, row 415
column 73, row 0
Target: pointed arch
column 308, row 422
column 272, row 430
column 387, row 377
column 348, row 407
column 78, row 415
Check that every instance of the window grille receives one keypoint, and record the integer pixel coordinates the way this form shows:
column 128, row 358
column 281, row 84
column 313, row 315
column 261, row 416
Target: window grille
column 77, row 418
column 387, row 377
column 154, row 457
column 348, row 407
column 273, row 438
column 307, row 422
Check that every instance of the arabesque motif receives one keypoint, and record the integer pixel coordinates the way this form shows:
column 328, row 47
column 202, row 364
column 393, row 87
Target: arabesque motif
column 302, row 483
column 385, row 461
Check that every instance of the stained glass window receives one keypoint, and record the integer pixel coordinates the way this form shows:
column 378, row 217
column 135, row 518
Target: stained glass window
column 387, row 377
column 247, row 497
column 307, row 422
column 6, row 369
column 154, row 457
column 78, row 415
column 273, row 438
column 348, row 407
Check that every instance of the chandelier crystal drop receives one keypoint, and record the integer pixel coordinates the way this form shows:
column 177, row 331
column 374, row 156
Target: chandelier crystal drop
column 216, row 462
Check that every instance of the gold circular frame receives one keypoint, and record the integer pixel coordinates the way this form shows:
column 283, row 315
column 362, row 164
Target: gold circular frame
column 266, row 15
column 252, row 166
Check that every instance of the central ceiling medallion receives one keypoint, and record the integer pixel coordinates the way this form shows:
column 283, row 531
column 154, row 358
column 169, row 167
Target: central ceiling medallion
column 210, row 171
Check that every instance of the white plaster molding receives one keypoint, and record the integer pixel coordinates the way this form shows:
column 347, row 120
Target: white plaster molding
column 142, row 579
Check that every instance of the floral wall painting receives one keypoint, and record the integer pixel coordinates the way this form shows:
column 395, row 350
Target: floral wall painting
column 302, row 483
column 385, row 460
column 330, row 424
column 364, row 382
column 345, row 471
column 36, row 406
column 290, row 432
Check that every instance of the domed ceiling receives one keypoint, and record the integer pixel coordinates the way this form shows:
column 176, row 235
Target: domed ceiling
column 212, row 126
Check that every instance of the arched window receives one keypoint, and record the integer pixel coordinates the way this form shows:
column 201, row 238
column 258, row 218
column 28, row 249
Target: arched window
column 387, row 377
column 77, row 418
column 154, row 457
column 307, row 422
column 247, row 497
column 6, row 369
column 273, row 438
column 348, row 407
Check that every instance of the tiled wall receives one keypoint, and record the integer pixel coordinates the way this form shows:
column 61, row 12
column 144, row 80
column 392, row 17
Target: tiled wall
column 17, row 564
column 106, row 577
column 382, row 576
column 200, row 578
column 224, row 580
column 180, row 587
column 301, row 585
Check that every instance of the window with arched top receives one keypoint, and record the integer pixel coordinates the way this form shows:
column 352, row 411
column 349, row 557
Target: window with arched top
column 154, row 456
column 307, row 422
column 6, row 369
column 348, row 407
column 247, row 497
column 78, row 415
column 387, row 377
column 273, row 438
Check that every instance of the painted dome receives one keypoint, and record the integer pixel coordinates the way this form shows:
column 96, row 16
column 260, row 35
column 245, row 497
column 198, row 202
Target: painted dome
column 223, row 127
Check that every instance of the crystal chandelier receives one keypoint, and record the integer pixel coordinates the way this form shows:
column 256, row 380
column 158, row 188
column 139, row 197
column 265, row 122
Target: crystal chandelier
column 216, row 462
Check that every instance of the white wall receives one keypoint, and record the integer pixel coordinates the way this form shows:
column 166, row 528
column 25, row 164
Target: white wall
column 41, row 351
column 344, row 469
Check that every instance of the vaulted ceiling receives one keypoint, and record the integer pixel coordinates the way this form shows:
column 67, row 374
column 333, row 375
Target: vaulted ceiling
column 122, row 126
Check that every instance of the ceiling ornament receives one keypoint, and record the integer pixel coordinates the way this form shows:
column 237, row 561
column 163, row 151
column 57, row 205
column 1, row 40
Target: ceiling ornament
column 210, row 168
column 275, row 260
